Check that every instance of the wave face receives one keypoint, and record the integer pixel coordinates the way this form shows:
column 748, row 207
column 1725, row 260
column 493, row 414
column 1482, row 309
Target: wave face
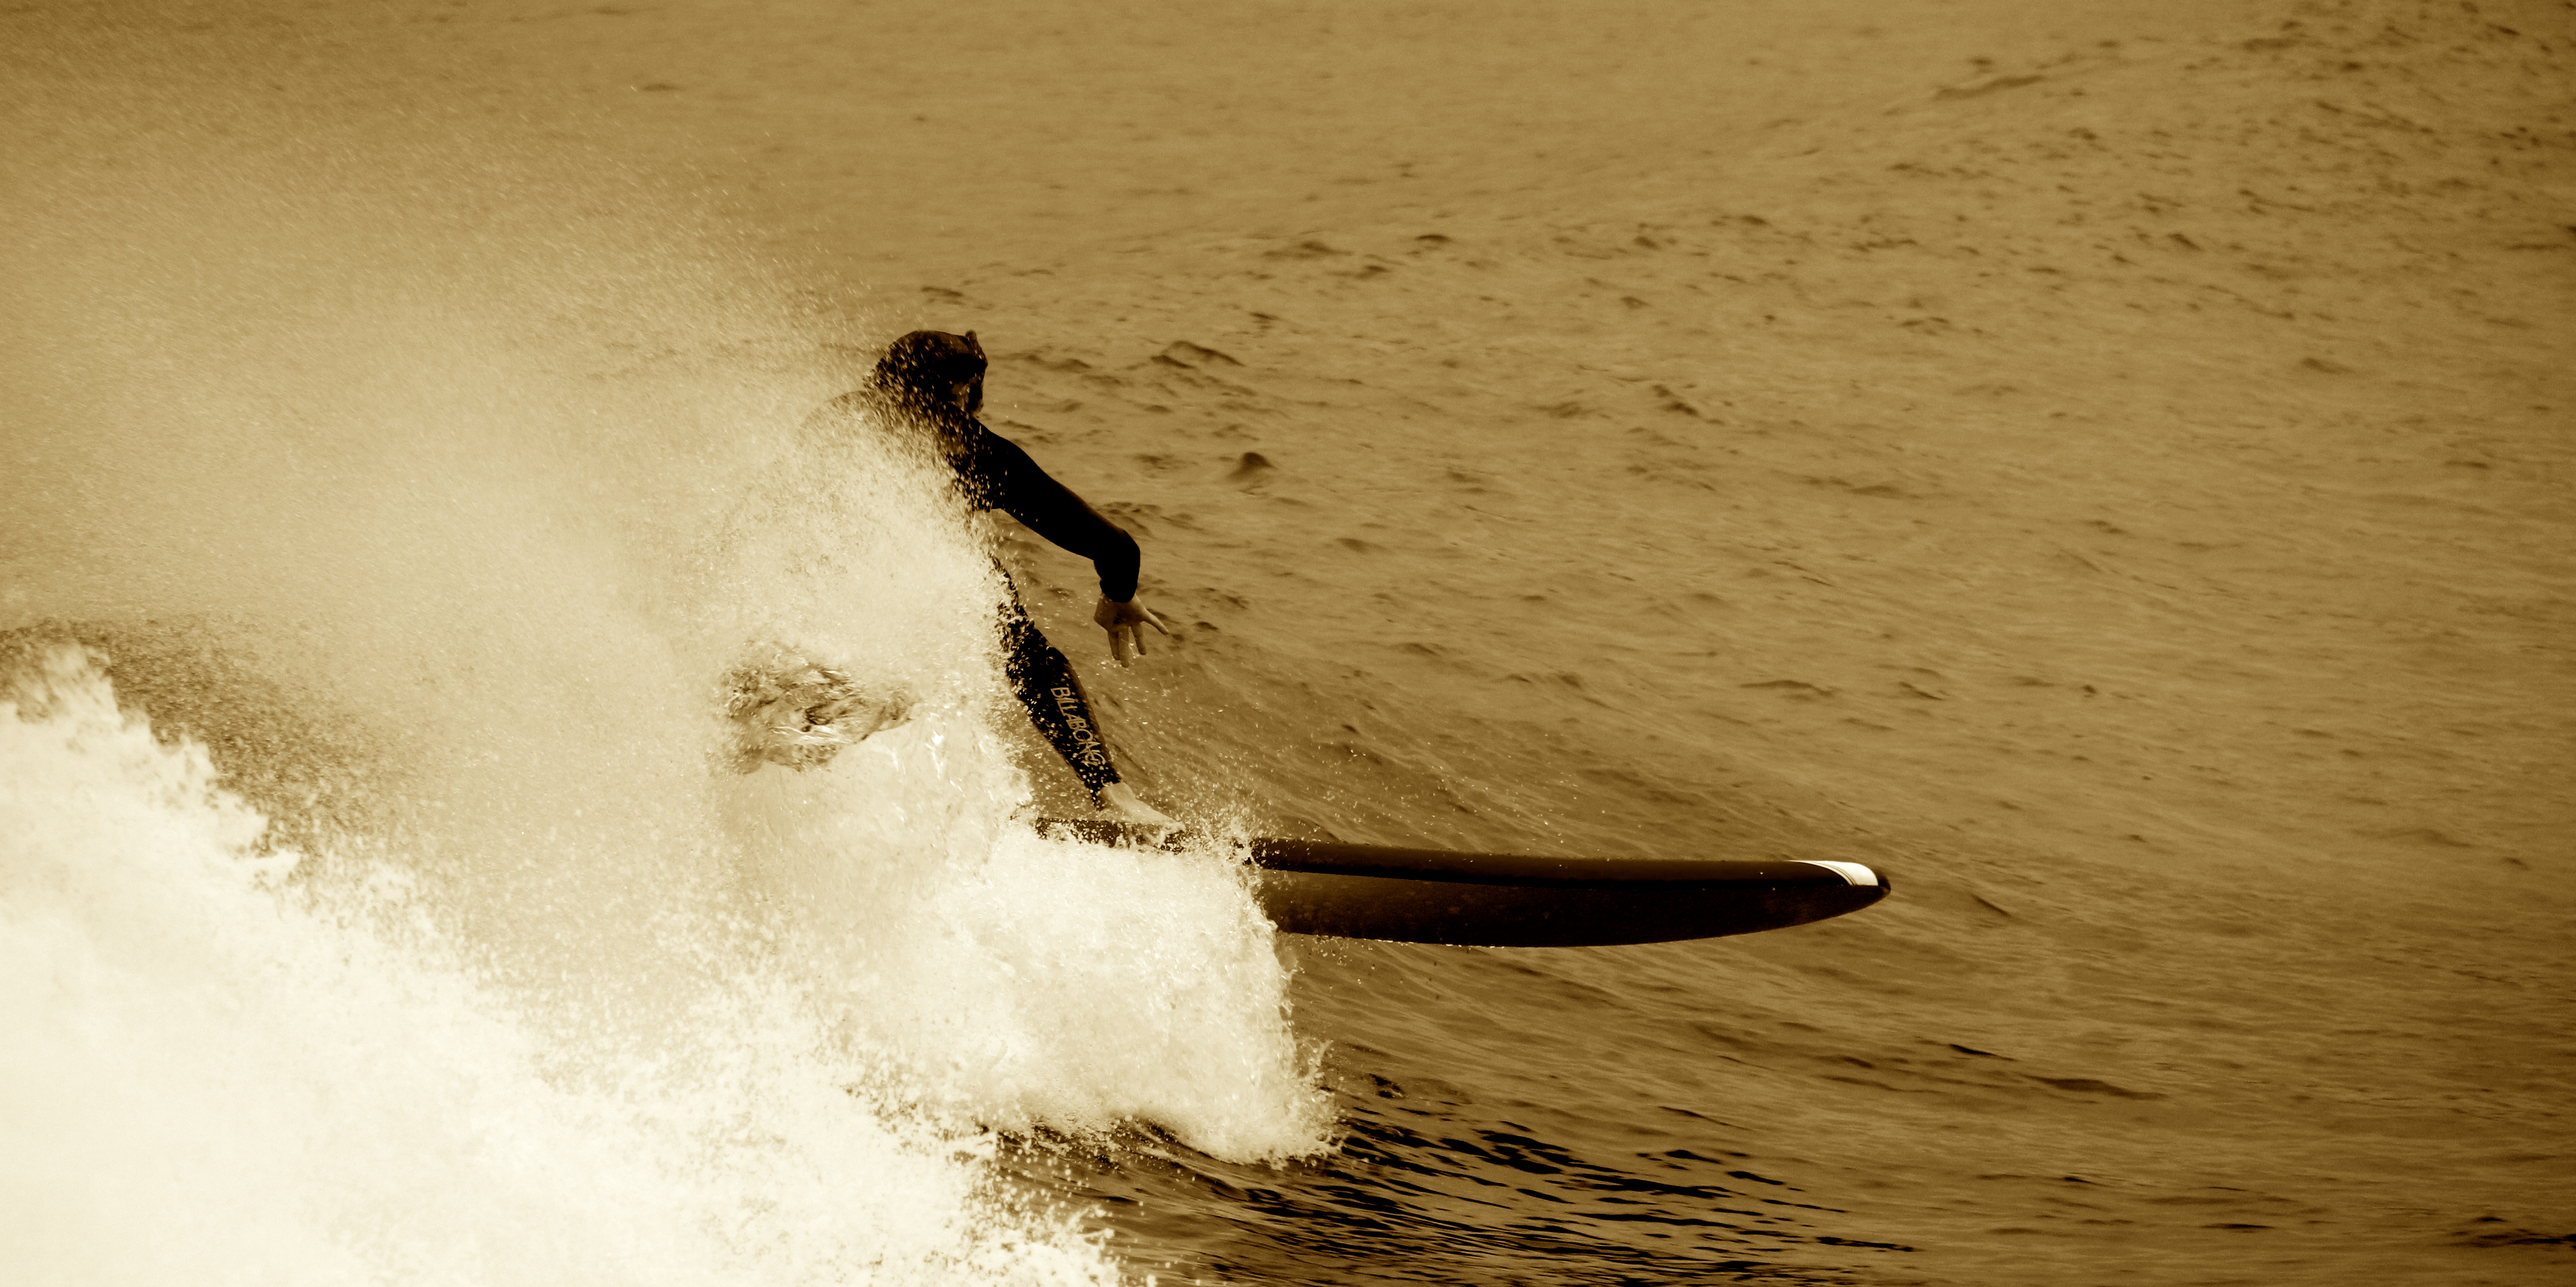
column 389, row 494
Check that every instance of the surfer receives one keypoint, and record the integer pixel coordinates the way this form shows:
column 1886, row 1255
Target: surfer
column 934, row 381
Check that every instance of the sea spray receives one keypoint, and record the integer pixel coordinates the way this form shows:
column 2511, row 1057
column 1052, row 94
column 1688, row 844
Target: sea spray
column 217, row 1075
column 1019, row 981
column 1006, row 980
column 477, row 480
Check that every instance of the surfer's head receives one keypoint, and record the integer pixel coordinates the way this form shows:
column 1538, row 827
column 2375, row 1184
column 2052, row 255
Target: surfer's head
column 934, row 371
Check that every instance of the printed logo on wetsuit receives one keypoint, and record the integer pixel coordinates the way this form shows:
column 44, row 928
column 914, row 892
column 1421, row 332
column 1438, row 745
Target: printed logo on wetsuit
column 1092, row 751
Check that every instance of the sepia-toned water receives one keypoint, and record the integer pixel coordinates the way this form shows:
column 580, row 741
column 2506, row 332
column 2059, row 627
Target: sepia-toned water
column 2109, row 469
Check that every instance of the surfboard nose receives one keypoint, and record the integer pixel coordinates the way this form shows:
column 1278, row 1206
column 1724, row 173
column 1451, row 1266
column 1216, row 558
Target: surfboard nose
column 1851, row 872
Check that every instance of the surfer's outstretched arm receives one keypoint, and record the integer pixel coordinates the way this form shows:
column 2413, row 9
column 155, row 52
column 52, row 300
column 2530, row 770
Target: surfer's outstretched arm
column 1016, row 485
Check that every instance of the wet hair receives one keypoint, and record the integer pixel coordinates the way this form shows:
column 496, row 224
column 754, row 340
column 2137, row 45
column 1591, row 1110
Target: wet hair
column 925, row 367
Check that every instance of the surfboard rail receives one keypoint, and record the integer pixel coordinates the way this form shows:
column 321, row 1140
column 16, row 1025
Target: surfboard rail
column 1407, row 895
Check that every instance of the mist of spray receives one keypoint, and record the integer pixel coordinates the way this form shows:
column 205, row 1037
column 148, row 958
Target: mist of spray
column 463, row 481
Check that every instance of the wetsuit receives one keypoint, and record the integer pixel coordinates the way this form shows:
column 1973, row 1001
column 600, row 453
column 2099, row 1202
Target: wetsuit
column 994, row 473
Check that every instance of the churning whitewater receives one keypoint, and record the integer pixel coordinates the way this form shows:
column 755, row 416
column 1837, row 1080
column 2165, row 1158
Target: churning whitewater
column 783, row 1067
column 473, row 961
column 311, row 1082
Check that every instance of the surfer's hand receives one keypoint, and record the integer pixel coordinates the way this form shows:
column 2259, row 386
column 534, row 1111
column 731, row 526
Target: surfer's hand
column 1121, row 620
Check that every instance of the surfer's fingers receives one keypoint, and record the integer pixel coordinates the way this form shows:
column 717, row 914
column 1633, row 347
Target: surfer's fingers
column 1157, row 619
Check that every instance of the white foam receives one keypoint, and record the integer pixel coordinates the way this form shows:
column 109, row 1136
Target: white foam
column 215, row 1073
column 497, row 494
column 1024, row 981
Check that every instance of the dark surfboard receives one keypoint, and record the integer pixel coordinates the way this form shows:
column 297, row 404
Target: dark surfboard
column 1517, row 900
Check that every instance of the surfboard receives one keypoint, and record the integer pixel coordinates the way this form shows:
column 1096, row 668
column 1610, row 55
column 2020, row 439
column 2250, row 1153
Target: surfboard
column 1400, row 895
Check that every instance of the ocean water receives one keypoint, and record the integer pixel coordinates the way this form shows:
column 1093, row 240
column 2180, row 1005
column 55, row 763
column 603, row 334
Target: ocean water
column 2110, row 470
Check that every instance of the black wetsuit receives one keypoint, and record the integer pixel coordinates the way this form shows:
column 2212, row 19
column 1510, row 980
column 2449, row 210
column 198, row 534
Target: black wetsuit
column 994, row 473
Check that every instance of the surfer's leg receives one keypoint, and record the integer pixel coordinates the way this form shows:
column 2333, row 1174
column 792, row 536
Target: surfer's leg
column 1053, row 694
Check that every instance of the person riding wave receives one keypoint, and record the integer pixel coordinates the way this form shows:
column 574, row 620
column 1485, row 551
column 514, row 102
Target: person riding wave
column 933, row 381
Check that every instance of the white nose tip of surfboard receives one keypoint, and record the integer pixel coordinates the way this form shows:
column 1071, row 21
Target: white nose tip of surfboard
column 1851, row 872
